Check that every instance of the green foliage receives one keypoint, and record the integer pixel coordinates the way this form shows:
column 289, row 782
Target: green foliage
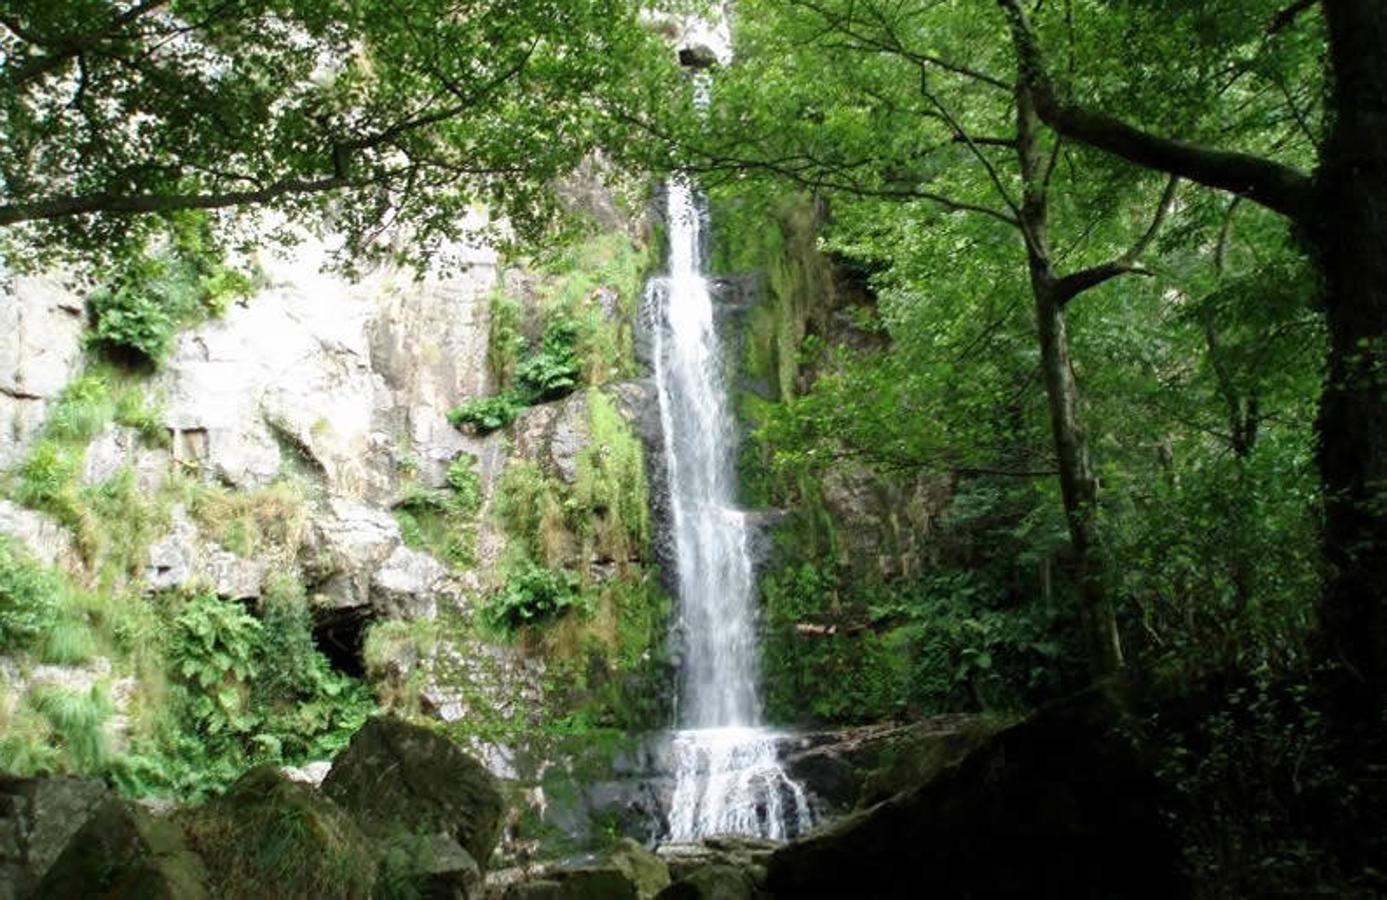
column 610, row 487
column 82, row 410
column 552, row 370
column 444, row 521
column 137, row 314
column 244, row 691
column 30, row 596
column 1257, row 780
column 531, row 594
column 484, row 415
column 542, row 83
column 466, row 484
column 78, row 724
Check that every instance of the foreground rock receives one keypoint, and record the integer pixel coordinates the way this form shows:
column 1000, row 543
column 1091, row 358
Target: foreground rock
column 397, row 778
column 270, row 836
column 123, row 851
column 1058, row 805
column 627, row 871
column 38, row 816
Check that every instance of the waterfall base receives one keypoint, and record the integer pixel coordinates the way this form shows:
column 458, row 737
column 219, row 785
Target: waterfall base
column 730, row 781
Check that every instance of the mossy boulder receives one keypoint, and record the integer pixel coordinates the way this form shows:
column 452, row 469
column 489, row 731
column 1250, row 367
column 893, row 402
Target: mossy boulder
column 712, row 882
column 268, row 836
column 400, row 779
column 646, row 871
column 1061, row 804
column 123, row 851
column 38, row 816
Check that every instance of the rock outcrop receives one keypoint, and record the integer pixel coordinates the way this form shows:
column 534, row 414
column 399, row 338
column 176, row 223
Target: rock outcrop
column 396, row 777
column 123, row 851
column 1058, row 805
column 38, row 816
column 40, row 351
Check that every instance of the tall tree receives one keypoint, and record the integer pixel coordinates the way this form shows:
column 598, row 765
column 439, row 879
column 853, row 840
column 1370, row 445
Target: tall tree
column 383, row 112
column 1342, row 212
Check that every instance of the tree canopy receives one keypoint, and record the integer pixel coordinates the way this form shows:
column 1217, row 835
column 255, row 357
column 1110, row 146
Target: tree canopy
column 380, row 114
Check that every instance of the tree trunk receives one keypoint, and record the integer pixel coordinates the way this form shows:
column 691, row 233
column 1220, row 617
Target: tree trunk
column 1351, row 237
column 1078, row 487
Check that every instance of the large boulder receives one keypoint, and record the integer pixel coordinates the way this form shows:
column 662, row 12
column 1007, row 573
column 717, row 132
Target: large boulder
column 398, row 778
column 1057, row 805
column 38, row 816
column 714, row 882
column 123, row 851
column 270, row 836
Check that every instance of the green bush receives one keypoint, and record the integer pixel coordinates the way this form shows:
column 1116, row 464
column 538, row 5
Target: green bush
column 466, row 484
column 484, row 415
column 139, row 311
column 531, row 594
column 29, row 598
column 553, row 370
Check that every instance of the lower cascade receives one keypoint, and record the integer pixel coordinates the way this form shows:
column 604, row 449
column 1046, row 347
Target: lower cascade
column 728, row 778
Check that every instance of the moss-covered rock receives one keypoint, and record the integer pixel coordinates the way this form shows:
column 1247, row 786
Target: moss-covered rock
column 647, row 872
column 713, row 882
column 269, row 836
column 123, row 851
column 397, row 778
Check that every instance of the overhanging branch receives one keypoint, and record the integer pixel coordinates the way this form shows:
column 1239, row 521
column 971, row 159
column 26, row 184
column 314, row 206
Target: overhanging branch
column 1271, row 184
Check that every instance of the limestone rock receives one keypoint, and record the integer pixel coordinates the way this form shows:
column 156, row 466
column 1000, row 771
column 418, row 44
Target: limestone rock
column 452, row 873
column 396, row 775
column 342, row 377
column 646, row 871
column 118, row 447
column 406, row 584
column 49, row 542
column 553, row 434
column 40, row 351
column 123, row 851
column 182, row 560
column 345, row 547
column 38, row 816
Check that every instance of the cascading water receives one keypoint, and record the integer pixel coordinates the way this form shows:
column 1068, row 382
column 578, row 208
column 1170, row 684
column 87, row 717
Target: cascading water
column 728, row 779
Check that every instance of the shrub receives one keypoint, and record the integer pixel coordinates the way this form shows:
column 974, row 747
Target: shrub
column 466, row 484
column 29, row 598
column 531, row 594
column 484, row 415
column 554, row 370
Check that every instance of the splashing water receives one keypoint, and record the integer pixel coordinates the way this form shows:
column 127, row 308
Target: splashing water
column 728, row 778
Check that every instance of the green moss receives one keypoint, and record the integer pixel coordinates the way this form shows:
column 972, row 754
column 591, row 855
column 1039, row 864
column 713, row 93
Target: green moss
column 610, row 488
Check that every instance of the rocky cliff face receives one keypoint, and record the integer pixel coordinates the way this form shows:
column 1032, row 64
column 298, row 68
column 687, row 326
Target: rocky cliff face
column 305, row 434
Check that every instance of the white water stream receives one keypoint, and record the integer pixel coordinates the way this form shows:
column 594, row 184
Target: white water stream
column 728, row 779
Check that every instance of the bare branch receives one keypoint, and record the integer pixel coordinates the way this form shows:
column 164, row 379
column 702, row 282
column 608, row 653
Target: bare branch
column 1071, row 286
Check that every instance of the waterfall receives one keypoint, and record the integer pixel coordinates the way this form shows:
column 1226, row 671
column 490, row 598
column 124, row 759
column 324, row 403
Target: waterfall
column 728, row 778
